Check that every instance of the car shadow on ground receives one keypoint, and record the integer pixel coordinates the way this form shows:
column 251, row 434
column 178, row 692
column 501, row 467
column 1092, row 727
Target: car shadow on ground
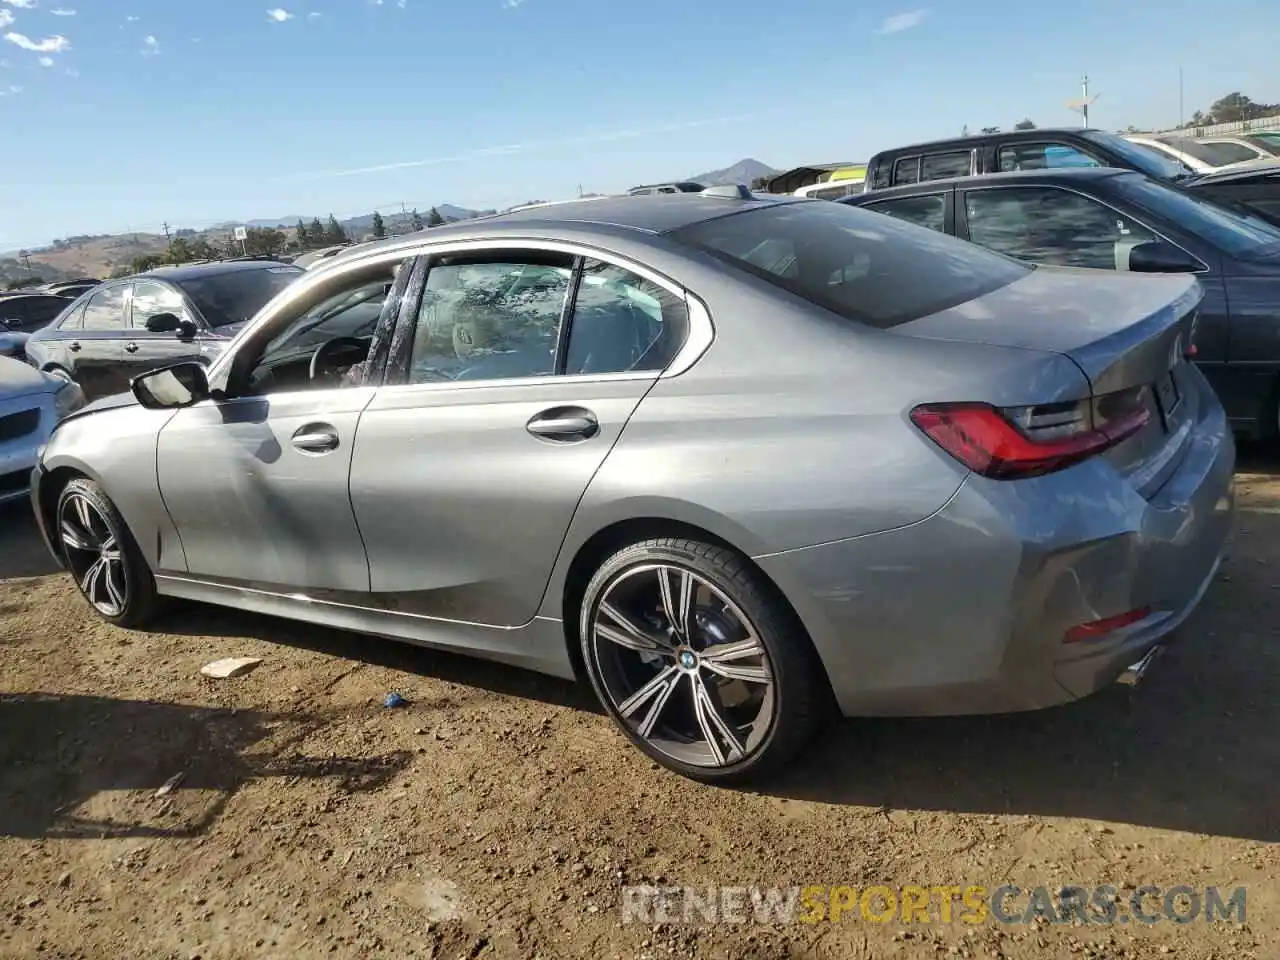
column 194, row 619
column 78, row 767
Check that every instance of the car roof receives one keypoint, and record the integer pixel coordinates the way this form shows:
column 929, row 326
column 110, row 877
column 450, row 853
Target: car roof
column 653, row 215
column 1052, row 175
column 975, row 139
column 196, row 270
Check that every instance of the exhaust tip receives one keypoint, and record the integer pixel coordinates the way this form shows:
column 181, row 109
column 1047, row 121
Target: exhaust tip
column 1134, row 673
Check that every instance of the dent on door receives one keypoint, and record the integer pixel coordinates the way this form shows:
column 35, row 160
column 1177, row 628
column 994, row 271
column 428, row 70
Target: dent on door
column 257, row 489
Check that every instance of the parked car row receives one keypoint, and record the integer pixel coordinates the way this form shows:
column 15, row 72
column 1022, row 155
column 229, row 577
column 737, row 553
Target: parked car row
column 1090, row 199
column 1253, row 188
column 736, row 460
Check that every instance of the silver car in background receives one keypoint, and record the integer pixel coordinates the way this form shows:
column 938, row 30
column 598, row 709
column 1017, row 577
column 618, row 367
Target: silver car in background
column 736, row 460
column 31, row 403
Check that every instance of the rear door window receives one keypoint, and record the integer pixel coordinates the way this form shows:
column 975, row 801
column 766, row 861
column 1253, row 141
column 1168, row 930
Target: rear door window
column 907, row 170
column 942, row 166
column 872, row 269
column 622, row 323
column 1052, row 226
column 105, row 309
column 926, row 211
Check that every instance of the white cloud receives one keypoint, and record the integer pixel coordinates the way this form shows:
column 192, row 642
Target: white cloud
column 150, row 46
column 130, row 19
column 54, row 44
column 6, row 19
column 62, row 12
column 511, row 4
column 279, row 16
column 21, row 4
column 903, row 21
column 46, row 61
column 402, row 3
column 313, row 15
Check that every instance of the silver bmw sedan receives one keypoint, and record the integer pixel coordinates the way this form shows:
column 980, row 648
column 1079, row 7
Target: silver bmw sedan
column 737, row 461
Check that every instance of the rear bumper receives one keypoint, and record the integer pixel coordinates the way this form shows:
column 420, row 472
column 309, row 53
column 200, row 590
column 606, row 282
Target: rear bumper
column 967, row 611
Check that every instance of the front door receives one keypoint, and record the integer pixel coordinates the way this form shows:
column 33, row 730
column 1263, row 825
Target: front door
column 518, row 375
column 257, row 484
column 144, row 350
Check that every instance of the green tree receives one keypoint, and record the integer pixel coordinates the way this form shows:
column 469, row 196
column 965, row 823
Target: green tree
column 265, row 242
column 415, row 221
column 333, row 232
column 379, row 226
column 1027, row 124
column 146, row 261
column 179, row 251
column 434, row 219
column 315, row 234
column 301, row 237
column 990, row 130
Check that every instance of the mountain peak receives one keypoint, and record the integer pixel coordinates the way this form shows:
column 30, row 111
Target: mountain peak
column 744, row 171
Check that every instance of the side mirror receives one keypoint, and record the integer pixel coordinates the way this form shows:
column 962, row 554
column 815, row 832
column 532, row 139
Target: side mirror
column 172, row 387
column 172, row 323
column 1158, row 256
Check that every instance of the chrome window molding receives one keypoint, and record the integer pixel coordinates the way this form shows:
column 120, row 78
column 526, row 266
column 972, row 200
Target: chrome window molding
column 698, row 337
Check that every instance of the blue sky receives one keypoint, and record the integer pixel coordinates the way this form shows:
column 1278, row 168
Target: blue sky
column 130, row 113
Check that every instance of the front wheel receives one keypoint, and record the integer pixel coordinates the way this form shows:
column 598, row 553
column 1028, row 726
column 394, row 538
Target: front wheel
column 699, row 661
column 102, row 556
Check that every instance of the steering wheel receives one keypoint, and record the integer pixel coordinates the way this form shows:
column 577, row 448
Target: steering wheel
column 327, row 351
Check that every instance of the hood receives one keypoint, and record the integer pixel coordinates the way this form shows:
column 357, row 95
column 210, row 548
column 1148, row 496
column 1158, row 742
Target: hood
column 17, row 379
column 1236, row 172
column 12, row 341
column 109, row 403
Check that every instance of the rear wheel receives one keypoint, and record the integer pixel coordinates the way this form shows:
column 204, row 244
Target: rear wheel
column 102, row 556
column 699, row 661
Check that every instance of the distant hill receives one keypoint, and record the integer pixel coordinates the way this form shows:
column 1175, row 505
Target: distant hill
column 354, row 224
column 744, row 171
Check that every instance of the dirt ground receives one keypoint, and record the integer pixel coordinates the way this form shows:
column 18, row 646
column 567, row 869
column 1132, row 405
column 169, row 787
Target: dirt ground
column 498, row 814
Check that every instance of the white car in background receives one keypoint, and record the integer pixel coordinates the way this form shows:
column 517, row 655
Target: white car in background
column 1198, row 156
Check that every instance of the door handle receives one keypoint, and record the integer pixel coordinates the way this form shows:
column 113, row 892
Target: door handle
column 316, row 438
column 564, row 423
column 75, row 346
column 131, row 347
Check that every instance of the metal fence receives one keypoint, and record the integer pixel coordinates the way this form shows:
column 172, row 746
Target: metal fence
column 1226, row 129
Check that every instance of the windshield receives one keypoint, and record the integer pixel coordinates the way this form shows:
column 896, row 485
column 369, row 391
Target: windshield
column 1240, row 236
column 1141, row 158
column 861, row 265
column 234, row 297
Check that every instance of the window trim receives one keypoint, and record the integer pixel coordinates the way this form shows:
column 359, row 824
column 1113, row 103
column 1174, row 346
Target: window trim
column 962, row 217
column 700, row 335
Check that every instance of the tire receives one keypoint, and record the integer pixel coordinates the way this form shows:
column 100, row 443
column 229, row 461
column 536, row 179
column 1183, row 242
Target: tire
column 743, row 656
column 94, row 537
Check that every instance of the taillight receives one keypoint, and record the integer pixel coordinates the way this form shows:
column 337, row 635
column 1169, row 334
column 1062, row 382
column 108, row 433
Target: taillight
column 1009, row 443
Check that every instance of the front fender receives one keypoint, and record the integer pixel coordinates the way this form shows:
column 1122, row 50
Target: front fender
column 116, row 448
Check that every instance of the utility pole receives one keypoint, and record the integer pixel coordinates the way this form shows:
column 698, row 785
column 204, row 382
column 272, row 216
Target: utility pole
column 166, row 232
column 1181, row 112
column 1084, row 97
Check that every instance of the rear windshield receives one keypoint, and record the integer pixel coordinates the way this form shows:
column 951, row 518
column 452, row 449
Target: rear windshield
column 1244, row 237
column 1149, row 161
column 235, row 296
column 862, row 265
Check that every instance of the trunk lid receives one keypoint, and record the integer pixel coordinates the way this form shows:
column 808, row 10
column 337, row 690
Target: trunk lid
column 1124, row 331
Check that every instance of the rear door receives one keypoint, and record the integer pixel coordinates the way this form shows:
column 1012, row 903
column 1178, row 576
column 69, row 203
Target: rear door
column 519, row 370
column 96, row 351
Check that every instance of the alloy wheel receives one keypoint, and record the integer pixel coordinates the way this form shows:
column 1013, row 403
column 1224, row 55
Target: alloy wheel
column 93, row 555
column 683, row 666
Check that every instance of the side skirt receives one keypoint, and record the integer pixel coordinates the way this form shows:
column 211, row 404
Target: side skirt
column 538, row 645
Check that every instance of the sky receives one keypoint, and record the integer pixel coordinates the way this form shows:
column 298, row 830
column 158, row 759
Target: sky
column 124, row 115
